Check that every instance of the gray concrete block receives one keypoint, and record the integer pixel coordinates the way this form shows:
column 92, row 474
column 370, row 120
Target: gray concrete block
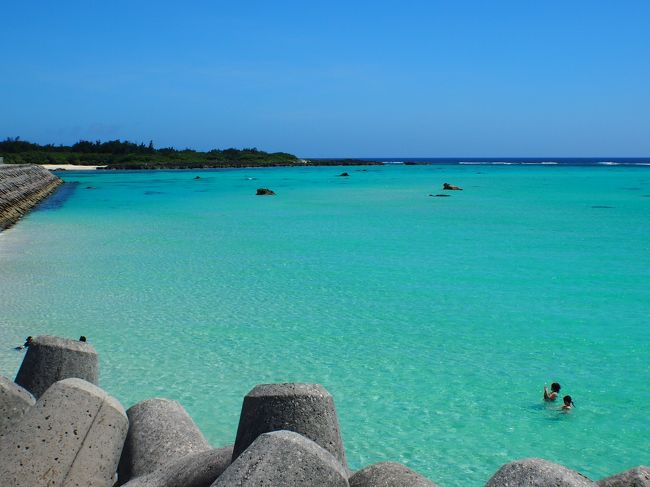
column 160, row 431
column 51, row 359
column 108, row 430
column 284, row 459
column 307, row 409
column 634, row 477
column 388, row 474
column 14, row 401
column 73, row 436
column 535, row 472
column 195, row 470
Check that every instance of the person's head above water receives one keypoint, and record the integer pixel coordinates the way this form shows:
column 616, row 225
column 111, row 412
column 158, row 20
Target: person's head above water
column 82, row 338
column 555, row 387
column 568, row 403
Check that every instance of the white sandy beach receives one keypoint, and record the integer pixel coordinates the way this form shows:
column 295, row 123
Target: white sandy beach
column 70, row 167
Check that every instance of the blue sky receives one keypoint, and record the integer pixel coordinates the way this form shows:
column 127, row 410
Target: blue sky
column 332, row 79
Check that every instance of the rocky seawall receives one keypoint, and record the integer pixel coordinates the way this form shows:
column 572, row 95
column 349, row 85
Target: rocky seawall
column 58, row 428
column 23, row 186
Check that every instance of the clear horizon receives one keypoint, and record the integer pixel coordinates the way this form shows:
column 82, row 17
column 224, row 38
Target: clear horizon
column 333, row 79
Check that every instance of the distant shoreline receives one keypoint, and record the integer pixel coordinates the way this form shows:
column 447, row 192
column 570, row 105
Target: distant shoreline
column 117, row 154
column 199, row 166
column 70, row 167
column 475, row 162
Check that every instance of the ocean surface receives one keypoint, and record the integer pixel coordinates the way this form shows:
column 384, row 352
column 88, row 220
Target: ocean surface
column 519, row 161
column 434, row 322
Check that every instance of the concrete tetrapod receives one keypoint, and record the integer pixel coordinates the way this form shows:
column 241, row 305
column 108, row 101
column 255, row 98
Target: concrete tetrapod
column 536, row 472
column 307, row 409
column 195, row 470
column 51, row 359
column 73, row 436
column 14, row 401
column 160, row 431
column 634, row 477
column 284, row 459
column 388, row 474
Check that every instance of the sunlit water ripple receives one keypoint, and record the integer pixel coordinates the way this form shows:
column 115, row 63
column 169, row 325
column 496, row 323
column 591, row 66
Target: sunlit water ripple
column 434, row 322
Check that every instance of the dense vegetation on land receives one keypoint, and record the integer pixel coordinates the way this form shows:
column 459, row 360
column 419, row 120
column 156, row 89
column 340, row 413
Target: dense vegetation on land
column 117, row 154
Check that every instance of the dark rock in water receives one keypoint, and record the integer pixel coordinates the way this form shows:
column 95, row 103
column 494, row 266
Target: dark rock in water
column 343, row 174
column 535, row 472
column 284, row 459
column 194, row 470
column 51, row 359
column 264, row 192
column 14, row 401
column 388, row 474
column 72, row 436
column 451, row 187
column 634, row 477
column 307, row 409
column 440, row 195
column 160, row 431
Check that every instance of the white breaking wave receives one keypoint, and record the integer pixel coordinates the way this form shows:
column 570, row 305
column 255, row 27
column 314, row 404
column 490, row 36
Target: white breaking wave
column 545, row 163
column 488, row 163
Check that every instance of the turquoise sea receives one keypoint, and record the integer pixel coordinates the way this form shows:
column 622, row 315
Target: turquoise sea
column 434, row 322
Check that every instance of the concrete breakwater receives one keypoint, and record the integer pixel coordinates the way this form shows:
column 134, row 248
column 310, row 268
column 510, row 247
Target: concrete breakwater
column 61, row 429
column 23, row 186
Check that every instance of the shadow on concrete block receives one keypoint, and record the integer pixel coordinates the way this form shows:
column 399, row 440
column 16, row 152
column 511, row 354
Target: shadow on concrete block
column 51, row 359
column 307, row 409
column 284, row 459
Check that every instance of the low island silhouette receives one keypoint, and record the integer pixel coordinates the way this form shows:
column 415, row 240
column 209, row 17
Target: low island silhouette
column 117, row 154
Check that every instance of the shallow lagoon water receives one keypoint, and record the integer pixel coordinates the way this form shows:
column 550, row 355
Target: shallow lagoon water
column 434, row 322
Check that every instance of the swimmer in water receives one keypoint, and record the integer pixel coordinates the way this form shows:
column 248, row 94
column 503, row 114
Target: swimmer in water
column 82, row 338
column 568, row 403
column 28, row 341
column 555, row 389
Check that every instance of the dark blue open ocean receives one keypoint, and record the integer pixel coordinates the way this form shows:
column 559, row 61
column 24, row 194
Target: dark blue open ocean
column 550, row 161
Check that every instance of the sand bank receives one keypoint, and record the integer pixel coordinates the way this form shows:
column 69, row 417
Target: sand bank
column 70, row 167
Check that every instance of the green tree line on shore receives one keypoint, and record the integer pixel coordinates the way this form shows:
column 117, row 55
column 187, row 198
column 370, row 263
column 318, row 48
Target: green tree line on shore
column 117, row 154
